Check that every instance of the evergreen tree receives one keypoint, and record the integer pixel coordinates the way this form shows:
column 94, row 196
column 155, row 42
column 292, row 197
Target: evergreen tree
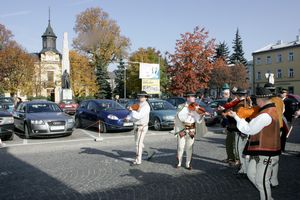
column 119, row 89
column 222, row 51
column 102, row 81
column 238, row 54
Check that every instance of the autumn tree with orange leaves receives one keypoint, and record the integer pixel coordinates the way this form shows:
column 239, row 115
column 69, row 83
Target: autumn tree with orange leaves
column 191, row 64
column 220, row 74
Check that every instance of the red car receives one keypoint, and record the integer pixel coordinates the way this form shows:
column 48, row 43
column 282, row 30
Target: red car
column 68, row 106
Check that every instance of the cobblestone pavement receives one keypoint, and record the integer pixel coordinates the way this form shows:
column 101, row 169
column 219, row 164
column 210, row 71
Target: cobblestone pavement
column 101, row 170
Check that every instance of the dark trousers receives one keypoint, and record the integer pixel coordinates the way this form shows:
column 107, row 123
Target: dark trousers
column 229, row 142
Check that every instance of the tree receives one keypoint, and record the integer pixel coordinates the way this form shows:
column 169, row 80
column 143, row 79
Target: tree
column 83, row 78
column 149, row 55
column 99, row 37
column 220, row 74
column 192, row 62
column 17, row 69
column 119, row 72
column 238, row 54
column 238, row 76
column 222, row 51
column 5, row 36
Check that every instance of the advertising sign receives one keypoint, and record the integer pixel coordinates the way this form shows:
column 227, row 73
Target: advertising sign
column 151, row 86
column 149, row 71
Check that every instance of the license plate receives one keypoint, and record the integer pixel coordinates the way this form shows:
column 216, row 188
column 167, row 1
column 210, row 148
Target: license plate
column 68, row 106
column 128, row 124
column 55, row 128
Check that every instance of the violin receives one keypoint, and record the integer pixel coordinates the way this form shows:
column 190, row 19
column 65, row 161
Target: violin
column 195, row 107
column 247, row 111
column 135, row 107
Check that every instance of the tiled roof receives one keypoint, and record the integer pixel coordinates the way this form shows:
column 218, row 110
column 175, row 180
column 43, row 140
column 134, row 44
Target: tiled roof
column 278, row 45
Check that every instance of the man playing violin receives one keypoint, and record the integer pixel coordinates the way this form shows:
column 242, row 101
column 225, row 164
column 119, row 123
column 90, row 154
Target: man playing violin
column 264, row 143
column 141, row 117
column 186, row 118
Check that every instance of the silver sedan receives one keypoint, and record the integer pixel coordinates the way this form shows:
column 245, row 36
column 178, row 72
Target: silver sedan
column 42, row 118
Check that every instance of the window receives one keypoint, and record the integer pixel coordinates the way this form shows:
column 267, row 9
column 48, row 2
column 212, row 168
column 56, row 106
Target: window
column 279, row 73
column 258, row 77
column 291, row 90
column 291, row 73
column 269, row 60
column 279, row 58
column 258, row 60
column 50, row 76
column 291, row 56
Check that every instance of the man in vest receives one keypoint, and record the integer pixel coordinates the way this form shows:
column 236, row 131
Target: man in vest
column 264, row 143
column 141, row 118
column 279, row 104
column 185, row 128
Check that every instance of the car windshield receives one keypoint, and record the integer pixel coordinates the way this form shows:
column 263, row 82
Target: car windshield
column 162, row 105
column 68, row 101
column 43, row 107
column 110, row 105
column 6, row 100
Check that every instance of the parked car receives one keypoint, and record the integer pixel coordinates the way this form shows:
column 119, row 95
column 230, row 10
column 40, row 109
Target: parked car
column 42, row 118
column 214, row 105
column 68, row 106
column 7, row 103
column 162, row 113
column 111, row 114
column 6, row 125
column 175, row 101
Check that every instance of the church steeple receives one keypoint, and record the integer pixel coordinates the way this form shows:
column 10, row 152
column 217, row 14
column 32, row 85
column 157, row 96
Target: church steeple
column 49, row 39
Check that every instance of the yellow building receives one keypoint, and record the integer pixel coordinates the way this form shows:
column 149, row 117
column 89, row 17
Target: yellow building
column 282, row 60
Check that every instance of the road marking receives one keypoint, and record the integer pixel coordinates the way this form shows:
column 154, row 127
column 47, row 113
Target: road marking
column 87, row 133
column 25, row 141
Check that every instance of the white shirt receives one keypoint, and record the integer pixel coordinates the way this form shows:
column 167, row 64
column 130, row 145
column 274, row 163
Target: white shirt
column 189, row 117
column 255, row 125
column 141, row 117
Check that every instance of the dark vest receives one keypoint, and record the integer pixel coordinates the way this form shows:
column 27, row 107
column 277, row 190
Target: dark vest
column 267, row 141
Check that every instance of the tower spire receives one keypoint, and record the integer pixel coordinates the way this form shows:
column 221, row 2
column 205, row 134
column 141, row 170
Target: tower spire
column 49, row 14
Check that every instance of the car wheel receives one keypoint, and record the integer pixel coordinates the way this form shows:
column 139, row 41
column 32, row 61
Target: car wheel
column 10, row 137
column 157, row 124
column 103, row 128
column 26, row 131
column 78, row 123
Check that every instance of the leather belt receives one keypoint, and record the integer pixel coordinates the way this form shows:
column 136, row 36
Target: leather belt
column 189, row 126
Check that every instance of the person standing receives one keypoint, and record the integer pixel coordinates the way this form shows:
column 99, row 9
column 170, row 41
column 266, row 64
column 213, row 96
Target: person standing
column 185, row 129
column 264, row 143
column 141, row 119
column 19, row 100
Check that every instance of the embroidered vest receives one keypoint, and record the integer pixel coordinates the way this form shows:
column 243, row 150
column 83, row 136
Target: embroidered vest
column 267, row 141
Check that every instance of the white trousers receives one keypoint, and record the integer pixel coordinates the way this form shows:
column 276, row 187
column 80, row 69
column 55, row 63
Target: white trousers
column 259, row 173
column 274, row 177
column 139, row 135
column 185, row 142
column 240, row 144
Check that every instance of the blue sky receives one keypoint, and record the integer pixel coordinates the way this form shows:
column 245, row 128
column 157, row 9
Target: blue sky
column 159, row 23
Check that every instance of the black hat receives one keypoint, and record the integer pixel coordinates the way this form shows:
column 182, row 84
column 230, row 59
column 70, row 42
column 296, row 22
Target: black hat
column 269, row 86
column 262, row 92
column 190, row 94
column 239, row 91
column 283, row 91
column 143, row 93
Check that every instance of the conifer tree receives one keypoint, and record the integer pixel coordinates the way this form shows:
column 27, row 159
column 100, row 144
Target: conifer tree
column 238, row 54
column 222, row 51
column 119, row 89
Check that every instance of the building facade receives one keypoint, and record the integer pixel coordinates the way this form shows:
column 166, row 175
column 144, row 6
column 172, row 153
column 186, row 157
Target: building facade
column 281, row 61
column 48, row 67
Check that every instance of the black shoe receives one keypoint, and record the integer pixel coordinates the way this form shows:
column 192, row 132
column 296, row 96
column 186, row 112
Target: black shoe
column 189, row 168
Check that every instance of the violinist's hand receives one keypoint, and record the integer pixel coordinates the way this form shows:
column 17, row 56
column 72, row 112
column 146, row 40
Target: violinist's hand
column 231, row 113
column 207, row 113
column 221, row 108
column 129, row 108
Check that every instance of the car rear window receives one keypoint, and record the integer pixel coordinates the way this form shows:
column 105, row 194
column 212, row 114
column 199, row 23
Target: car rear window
column 6, row 100
column 162, row 105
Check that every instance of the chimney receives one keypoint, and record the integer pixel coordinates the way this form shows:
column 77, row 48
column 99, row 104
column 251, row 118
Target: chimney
column 297, row 38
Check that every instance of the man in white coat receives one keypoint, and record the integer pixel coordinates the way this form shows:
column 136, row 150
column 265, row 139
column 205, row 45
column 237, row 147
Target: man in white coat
column 141, row 119
column 185, row 128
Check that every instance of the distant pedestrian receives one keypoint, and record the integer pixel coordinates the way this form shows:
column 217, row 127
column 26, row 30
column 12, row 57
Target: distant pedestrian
column 19, row 100
column 117, row 98
column 288, row 109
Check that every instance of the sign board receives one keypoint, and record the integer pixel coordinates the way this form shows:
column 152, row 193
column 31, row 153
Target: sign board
column 149, row 71
column 151, row 86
